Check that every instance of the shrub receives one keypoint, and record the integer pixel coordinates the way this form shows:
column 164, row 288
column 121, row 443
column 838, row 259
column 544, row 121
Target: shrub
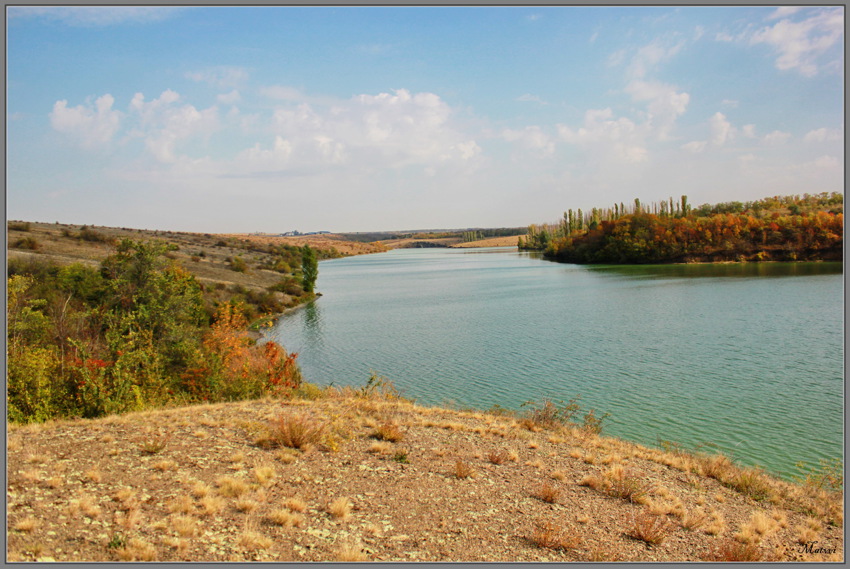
column 731, row 550
column 650, row 529
column 238, row 264
column 296, row 431
column 93, row 236
column 548, row 493
column 387, row 431
column 549, row 536
column 30, row 243
column 19, row 226
column 463, row 470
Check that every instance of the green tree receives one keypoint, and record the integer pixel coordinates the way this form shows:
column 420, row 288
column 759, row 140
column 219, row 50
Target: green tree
column 309, row 269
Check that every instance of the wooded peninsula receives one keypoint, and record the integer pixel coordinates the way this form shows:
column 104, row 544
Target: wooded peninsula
column 781, row 228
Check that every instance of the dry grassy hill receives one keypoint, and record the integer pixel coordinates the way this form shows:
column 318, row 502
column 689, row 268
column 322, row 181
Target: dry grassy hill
column 355, row 475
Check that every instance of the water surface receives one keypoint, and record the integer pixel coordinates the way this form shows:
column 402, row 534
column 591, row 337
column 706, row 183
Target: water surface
column 747, row 357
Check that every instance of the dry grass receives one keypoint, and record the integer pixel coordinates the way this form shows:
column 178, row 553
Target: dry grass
column 181, row 505
column 154, row 444
column 264, row 475
column 548, row 493
column 550, row 536
column 211, row 505
column 296, row 504
column 94, row 475
column 137, row 550
column 694, row 520
column 185, row 526
column 650, row 528
column 296, row 431
column 285, row 518
column 231, row 487
column 340, row 508
column 28, row 524
column 380, row 447
column 246, row 505
column 253, row 540
column 351, row 551
column 463, row 470
column 387, row 431
column 497, row 457
column 731, row 550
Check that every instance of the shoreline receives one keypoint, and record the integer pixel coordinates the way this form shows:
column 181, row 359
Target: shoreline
column 420, row 484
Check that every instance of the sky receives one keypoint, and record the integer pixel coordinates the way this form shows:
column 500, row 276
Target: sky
column 275, row 118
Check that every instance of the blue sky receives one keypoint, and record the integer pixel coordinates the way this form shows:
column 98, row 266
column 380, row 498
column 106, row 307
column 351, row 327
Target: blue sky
column 232, row 119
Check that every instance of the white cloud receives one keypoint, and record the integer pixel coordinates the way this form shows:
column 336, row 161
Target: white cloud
column 648, row 57
column 85, row 16
column 222, row 76
column 282, row 93
column 664, row 106
column 162, row 123
column 619, row 138
column 721, row 129
column 387, row 130
column 529, row 98
column 824, row 135
column 776, row 138
column 91, row 125
column 749, row 130
column 801, row 44
column 695, row 147
column 229, row 98
column 828, row 162
column 531, row 138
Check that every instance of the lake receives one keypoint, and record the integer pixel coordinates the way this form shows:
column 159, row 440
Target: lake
column 745, row 357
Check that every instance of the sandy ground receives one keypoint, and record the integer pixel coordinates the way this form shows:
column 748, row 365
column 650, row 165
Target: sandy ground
column 383, row 480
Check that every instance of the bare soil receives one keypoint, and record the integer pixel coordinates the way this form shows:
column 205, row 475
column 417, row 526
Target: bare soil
column 208, row 483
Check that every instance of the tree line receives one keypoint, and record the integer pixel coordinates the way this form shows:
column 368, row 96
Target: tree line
column 784, row 228
column 136, row 332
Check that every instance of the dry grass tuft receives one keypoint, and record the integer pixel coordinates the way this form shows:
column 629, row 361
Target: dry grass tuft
column 296, row 431
column 340, row 508
column 246, row 505
column 154, row 444
column 231, row 487
column 548, row 493
column 731, row 550
column 185, row 526
column 286, row 518
column 264, row 475
column 254, row 541
column 559, row 475
column 211, row 505
column 380, row 447
column 497, row 457
column 550, row 536
column 164, row 465
column 27, row 525
column 200, row 490
column 94, row 475
column 351, row 551
column 650, row 529
column 387, row 431
column 694, row 520
column 296, row 504
column 463, row 470
column 137, row 550
column 181, row 505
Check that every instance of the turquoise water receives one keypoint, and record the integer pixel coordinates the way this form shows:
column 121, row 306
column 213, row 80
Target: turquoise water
column 747, row 357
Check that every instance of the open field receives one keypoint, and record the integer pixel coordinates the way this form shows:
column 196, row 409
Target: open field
column 204, row 255
column 350, row 475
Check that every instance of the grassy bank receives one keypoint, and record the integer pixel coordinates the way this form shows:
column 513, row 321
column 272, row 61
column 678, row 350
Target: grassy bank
column 362, row 475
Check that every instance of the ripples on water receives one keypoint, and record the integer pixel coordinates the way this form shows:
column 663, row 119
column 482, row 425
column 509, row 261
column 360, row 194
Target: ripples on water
column 745, row 356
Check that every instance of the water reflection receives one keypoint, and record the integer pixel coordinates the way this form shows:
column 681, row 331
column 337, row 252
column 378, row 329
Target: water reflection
column 717, row 270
